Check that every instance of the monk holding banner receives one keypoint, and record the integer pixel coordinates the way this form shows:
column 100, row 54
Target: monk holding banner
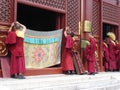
column 14, row 41
column 68, row 66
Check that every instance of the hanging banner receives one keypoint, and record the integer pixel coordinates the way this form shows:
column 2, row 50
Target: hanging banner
column 42, row 49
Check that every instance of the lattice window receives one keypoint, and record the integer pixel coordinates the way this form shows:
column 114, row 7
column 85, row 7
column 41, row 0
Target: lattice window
column 96, row 26
column 73, row 14
column 95, row 17
column 5, row 10
column 110, row 12
column 59, row 4
column 119, row 14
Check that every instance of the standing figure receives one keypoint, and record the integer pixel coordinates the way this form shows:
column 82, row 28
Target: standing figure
column 106, row 58
column 15, row 45
column 89, row 54
column 68, row 66
column 112, row 49
column 118, row 55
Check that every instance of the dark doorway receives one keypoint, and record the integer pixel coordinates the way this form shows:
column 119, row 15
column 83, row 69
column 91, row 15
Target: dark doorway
column 36, row 18
column 109, row 28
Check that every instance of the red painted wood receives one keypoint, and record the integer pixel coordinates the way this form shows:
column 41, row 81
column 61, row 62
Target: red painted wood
column 113, row 2
column 89, row 5
column 45, row 71
column 41, row 6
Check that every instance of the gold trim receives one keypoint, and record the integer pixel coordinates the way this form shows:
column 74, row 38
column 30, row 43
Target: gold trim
column 3, row 36
column 4, row 27
column 42, row 36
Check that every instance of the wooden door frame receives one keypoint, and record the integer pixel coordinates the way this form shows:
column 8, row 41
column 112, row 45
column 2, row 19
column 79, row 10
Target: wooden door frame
column 60, row 24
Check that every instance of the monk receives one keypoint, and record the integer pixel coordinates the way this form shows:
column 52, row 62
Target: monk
column 111, row 47
column 15, row 43
column 106, row 58
column 89, row 54
column 68, row 66
column 118, row 55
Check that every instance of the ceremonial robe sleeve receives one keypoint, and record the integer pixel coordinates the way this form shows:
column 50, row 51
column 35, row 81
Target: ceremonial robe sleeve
column 11, row 38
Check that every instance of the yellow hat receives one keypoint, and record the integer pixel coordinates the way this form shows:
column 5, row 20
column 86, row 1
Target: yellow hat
column 111, row 35
column 20, row 33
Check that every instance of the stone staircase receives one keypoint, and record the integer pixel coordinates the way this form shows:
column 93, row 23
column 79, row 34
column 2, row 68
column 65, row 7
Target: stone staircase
column 101, row 81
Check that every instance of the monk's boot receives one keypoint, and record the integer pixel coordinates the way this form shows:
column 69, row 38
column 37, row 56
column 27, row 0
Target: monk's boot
column 68, row 72
column 14, row 76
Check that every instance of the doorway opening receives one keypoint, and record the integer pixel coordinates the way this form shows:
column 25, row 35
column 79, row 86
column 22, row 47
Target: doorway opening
column 110, row 28
column 37, row 19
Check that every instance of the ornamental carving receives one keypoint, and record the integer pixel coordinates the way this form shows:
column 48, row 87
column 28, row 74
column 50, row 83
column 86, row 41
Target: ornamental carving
column 58, row 4
column 5, row 10
column 73, row 14
column 110, row 12
column 95, row 17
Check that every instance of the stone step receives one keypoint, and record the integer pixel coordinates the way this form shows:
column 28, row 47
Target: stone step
column 101, row 81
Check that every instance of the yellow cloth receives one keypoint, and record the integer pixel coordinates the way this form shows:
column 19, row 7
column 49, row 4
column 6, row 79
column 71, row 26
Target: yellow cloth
column 111, row 35
column 20, row 33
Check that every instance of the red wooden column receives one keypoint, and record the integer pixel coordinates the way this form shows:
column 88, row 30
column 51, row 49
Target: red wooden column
column 82, row 34
column 100, row 34
column 6, row 18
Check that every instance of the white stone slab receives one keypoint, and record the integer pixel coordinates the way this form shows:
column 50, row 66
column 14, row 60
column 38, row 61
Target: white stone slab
column 101, row 81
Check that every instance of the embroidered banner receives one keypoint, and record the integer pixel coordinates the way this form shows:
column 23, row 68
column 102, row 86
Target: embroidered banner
column 42, row 49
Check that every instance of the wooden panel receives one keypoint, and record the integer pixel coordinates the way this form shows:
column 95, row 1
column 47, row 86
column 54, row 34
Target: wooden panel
column 119, row 24
column 114, row 2
column 6, row 11
column 95, row 17
column 73, row 14
column 45, row 71
column 96, row 29
column 53, row 5
column 110, row 12
column 89, row 9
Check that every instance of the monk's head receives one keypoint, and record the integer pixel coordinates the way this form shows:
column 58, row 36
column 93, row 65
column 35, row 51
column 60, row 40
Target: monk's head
column 72, row 34
column 17, row 26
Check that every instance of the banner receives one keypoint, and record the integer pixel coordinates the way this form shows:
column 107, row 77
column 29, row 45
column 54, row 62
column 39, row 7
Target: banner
column 42, row 49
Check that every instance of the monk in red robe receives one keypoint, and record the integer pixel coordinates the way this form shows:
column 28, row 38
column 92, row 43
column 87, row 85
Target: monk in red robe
column 106, row 54
column 89, row 54
column 68, row 66
column 15, row 43
column 112, row 50
column 118, row 55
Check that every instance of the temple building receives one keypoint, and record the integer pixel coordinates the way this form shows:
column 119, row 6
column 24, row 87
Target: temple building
column 82, row 16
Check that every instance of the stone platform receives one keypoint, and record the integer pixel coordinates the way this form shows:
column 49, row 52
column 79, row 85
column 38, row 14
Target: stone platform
column 101, row 81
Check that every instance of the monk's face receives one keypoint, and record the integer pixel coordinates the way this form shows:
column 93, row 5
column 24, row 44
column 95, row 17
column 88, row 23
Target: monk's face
column 107, row 40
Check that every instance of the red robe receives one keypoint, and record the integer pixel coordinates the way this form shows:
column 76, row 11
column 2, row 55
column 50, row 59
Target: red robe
column 105, row 56
column 112, row 62
column 15, row 46
column 89, row 54
column 68, row 62
column 118, row 55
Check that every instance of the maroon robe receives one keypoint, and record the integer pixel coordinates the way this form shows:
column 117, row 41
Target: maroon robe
column 89, row 54
column 105, row 56
column 15, row 46
column 118, row 55
column 112, row 50
column 68, row 63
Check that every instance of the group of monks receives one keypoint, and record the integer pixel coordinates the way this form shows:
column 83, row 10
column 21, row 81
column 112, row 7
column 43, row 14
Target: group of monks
column 89, row 54
column 111, row 53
